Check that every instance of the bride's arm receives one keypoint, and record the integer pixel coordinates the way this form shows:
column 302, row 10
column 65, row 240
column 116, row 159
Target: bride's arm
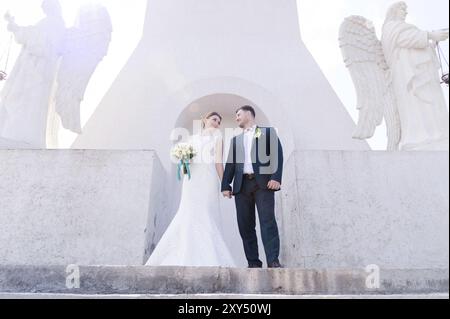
column 219, row 158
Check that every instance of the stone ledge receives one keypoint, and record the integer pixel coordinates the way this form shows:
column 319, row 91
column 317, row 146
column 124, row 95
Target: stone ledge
column 116, row 280
column 78, row 206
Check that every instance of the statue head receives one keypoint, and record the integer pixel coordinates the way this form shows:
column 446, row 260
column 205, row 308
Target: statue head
column 52, row 8
column 397, row 12
column 93, row 18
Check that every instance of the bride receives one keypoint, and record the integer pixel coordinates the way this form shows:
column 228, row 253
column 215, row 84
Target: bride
column 194, row 239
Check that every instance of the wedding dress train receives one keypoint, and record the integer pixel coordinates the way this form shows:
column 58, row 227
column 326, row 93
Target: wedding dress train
column 194, row 239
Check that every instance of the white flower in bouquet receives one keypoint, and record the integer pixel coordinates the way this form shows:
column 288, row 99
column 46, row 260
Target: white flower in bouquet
column 184, row 153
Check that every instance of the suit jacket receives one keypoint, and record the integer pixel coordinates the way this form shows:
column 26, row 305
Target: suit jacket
column 267, row 159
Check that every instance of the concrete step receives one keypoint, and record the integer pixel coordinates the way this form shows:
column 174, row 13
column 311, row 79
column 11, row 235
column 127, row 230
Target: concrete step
column 148, row 281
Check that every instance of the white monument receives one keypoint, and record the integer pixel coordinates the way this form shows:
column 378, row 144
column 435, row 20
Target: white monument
column 341, row 207
column 397, row 78
column 24, row 100
column 197, row 56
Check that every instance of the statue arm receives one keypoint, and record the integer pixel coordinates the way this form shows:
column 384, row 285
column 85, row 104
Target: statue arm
column 14, row 28
column 21, row 34
column 438, row 36
column 413, row 38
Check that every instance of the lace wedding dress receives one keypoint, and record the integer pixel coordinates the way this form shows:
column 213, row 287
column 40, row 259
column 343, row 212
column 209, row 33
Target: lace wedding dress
column 194, row 239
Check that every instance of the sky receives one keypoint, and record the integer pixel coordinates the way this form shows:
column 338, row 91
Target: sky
column 319, row 25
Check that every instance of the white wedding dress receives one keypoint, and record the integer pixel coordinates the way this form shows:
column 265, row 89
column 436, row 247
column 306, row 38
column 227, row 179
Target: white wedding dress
column 194, row 239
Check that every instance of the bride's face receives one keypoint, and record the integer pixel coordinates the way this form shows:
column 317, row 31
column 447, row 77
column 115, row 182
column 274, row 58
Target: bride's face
column 213, row 122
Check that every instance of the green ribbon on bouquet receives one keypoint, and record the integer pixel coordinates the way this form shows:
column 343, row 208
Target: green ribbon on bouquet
column 184, row 165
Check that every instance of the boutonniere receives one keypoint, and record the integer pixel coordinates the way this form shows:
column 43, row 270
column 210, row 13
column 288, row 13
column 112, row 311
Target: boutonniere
column 258, row 133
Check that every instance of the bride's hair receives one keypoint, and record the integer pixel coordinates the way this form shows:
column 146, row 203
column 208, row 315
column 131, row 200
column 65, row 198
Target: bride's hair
column 208, row 116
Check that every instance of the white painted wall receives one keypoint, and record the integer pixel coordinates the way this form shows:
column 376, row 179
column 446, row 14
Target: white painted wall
column 354, row 209
column 200, row 52
column 83, row 207
column 197, row 48
column 337, row 209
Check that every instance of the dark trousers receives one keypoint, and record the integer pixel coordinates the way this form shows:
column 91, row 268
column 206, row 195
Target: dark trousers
column 252, row 196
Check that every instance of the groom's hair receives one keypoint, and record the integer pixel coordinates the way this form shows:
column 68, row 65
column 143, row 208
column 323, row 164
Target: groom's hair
column 247, row 108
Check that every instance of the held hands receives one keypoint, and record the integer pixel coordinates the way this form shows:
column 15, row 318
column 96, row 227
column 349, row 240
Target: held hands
column 438, row 36
column 273, row 185
column 227, row 194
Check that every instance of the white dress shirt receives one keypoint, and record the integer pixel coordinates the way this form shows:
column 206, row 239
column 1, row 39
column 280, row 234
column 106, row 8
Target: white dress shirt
column 249, row 135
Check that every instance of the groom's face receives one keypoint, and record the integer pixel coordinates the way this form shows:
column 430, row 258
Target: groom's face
column 243, row 118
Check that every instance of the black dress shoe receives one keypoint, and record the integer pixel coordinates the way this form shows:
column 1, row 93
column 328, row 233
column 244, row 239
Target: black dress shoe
column 275, row 264
column 254, row 266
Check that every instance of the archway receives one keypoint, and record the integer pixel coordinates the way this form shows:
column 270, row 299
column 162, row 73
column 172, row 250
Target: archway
column 225, row 95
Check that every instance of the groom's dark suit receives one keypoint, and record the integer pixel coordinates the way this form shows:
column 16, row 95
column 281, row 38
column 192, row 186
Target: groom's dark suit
column 252, row 190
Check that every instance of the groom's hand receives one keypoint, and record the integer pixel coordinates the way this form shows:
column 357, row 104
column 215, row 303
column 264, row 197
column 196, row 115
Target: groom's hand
column 274, row 186
column 227, row 194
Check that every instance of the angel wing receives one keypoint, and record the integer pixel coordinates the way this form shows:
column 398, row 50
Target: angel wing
column 363, row 55
column 86, row 44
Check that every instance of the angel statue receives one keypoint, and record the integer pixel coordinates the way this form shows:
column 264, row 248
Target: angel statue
column 397, row 79
column 51, row 73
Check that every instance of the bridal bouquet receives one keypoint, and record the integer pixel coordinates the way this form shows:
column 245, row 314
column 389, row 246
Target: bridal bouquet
column 184, row 153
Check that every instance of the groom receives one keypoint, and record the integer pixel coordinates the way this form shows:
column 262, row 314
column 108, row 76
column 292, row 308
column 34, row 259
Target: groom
column 255, row 164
